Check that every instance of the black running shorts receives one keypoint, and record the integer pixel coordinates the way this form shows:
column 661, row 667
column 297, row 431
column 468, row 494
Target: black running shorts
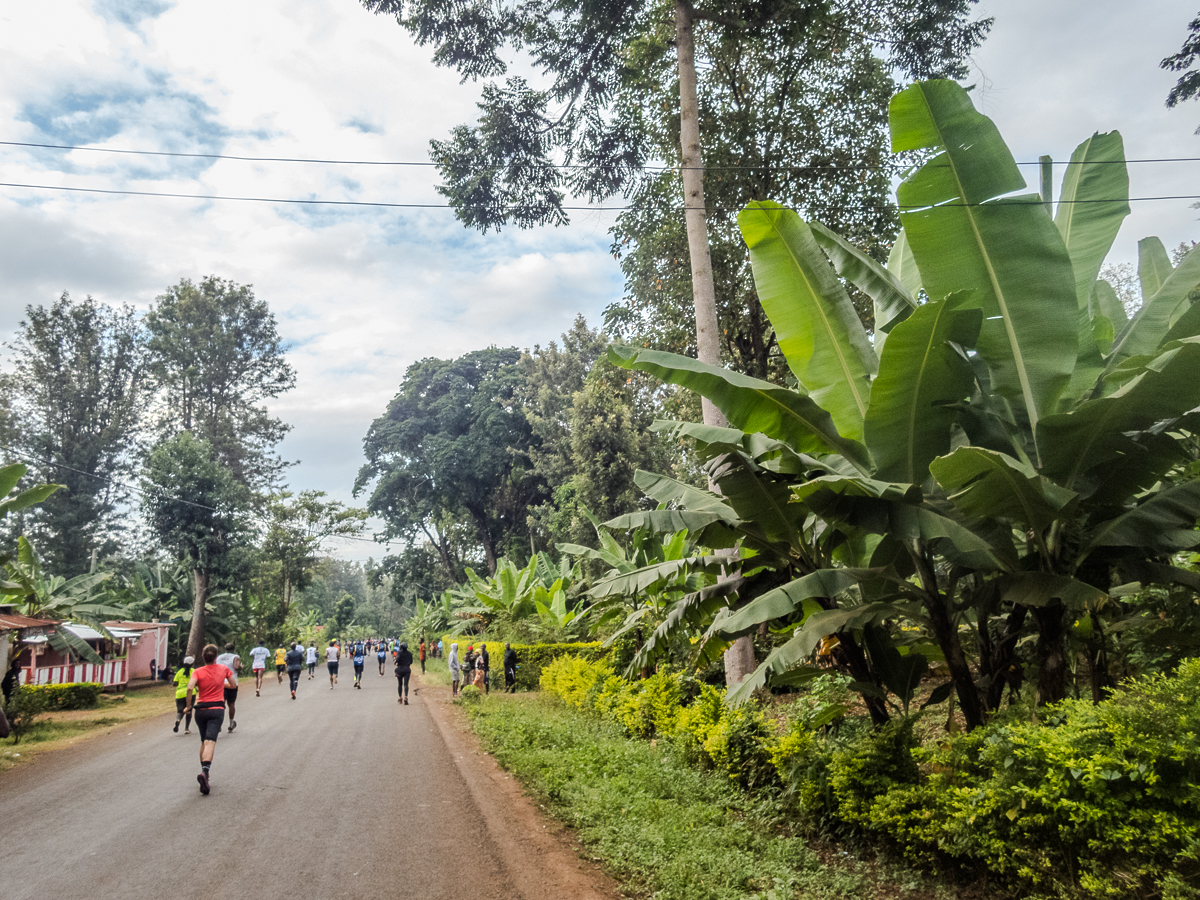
column 209, row 722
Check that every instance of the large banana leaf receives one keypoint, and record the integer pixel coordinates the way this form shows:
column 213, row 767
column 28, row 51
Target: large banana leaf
column 628, row 584
column 893, row 302
column 1006, row 250
column 1097, row 430
column 1093, row 204
column 1154, row 266
column 815, row 323
column 665, row 489
column 64, row 641
column 986, row 484
column 748, row 403
column 1150, row 324
column 804, row 641
column 1043, row 588
column 1165, row 523
column 920, row 376
column 691, row 612
column 785, row 600
column 901, row 264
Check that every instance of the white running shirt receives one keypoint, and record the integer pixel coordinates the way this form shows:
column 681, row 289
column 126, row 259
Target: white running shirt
column 331, row 654
column 312, row 655
column 227, row 660
column 258, row 657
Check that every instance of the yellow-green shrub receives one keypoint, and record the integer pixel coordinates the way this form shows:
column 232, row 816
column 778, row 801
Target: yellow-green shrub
column 737, row 745
column 572, row 679
column 696, row 721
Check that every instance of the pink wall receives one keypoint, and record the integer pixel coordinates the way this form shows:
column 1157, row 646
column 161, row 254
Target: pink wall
column 152, row 645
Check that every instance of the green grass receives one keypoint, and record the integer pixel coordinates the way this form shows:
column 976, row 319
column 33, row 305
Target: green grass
column 665, row 830
column 436, row 672
column 54, row 730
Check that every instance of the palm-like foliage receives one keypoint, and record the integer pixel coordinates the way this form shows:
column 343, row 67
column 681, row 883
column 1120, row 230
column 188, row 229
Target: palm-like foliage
column 997, row 461
column 532, row 598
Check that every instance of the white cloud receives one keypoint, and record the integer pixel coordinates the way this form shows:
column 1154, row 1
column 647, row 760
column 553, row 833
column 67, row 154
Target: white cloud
column 361, row 292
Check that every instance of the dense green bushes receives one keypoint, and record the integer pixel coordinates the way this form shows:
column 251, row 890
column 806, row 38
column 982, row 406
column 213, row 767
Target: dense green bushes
column 1091, row 801
column 69, row 696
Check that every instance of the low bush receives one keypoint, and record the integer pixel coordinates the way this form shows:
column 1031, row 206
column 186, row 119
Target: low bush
column 23, row 709
column 69, row 696
column 1093, row 801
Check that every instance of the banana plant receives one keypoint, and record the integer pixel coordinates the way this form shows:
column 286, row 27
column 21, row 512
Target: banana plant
column 1007, row 450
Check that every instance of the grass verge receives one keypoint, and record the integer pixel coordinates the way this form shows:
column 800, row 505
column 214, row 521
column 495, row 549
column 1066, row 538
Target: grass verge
column 56, row 730
column 662, row 828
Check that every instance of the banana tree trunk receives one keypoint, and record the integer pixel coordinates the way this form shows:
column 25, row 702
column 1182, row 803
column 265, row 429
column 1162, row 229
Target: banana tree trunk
column 1051, row 653
column 196, row 635
column 739, row 658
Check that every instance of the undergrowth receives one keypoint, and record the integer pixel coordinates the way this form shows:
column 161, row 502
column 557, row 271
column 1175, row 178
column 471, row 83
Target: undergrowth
column 663, row 828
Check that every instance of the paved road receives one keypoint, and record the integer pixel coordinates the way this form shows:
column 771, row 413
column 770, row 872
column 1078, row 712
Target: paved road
column 340, row 793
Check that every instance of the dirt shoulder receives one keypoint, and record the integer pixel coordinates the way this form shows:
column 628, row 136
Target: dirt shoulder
column 542, row 856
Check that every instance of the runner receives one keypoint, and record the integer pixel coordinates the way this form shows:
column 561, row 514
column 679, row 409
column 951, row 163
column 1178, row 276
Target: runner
column 181, row 683
column 280, row 663
column 421, row 653
column 208, row 681
column 295, row 665
column 258, row 665
column 403, row 673
column 332, row 654
column 312, row 661
column 381, row 655
column 360, row 660
column 233, row 663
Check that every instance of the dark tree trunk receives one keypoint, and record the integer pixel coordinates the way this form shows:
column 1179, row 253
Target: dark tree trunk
column 999, row 656
column 196, row 635
column 856, row 664
column 1051, row 653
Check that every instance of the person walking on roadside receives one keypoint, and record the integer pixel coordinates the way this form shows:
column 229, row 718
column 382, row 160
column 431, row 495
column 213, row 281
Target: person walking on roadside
column 439, row 649
column 280, row 663
column 258, row 665
column 403, row 673
column 455, row 669
column 332, row 654
column 421, row 653
column 295, row 665
column 381, row 655
column 230, row 660
column 483, row 664
column 11, row 678
column 181, row 691
column 360, row 661
column 208, row 682
column 312, row 661
column 510, row 669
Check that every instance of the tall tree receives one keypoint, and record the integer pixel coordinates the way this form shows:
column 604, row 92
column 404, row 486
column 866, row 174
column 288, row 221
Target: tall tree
column 600, row 58
column 299, row 527
column 197, row 507
column 79, row 388
column 1188, row 85
column 448, row 451
column 217, row 354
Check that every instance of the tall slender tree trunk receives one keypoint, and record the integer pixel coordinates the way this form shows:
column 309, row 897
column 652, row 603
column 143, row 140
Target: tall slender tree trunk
column 196, row 635
column 739, row 658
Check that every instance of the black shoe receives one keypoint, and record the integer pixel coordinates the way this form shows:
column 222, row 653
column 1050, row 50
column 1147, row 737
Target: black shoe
column 176, row 728
column 203, row 779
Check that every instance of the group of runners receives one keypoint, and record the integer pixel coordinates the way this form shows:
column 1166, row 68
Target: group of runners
column 204, row 692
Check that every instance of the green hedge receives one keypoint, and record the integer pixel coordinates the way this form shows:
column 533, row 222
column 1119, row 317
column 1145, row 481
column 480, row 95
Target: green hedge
column 1094, row 800
column 531, row 658
column 69, row 696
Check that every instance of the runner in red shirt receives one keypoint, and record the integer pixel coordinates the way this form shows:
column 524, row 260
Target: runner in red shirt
column 210, row 682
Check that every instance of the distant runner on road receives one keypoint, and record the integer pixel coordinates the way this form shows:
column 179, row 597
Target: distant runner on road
column 360, row 660
column 209, row 682
column 381, row 655
column 258, row 665
column 403, row 673
column 312, row 661
column 230, row 660
column 295, row 665
column 181, row 685
column 332, row 655
column 280, row 663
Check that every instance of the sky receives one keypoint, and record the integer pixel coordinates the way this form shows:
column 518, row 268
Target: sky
column 362, row 293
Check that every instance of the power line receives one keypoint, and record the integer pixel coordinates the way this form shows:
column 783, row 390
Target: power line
column 386, row 205
column 426, row 164
column 142, row 490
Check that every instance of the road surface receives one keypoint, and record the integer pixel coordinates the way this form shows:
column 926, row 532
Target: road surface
column 340, row 793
